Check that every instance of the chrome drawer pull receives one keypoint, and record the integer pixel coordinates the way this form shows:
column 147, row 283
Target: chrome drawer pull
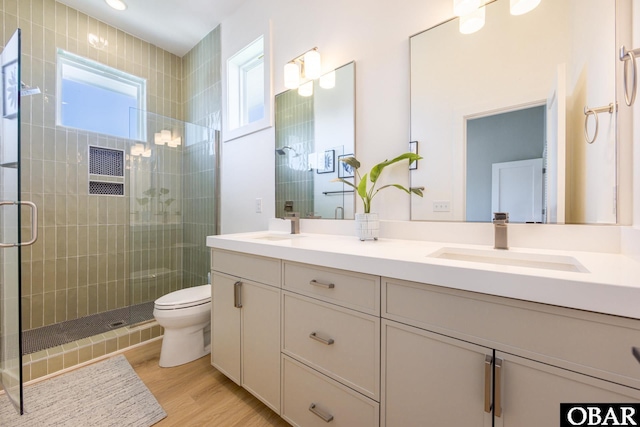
column 497, row 410
column 314, row 336
column 314, row 282
column 327, row 418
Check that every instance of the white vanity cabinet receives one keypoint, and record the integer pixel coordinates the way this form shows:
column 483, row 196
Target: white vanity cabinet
column 459, row 358
column 330, row 347
column 245, row 322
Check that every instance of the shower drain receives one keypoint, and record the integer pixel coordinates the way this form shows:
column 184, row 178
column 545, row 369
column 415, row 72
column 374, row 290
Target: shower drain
column 117, row 324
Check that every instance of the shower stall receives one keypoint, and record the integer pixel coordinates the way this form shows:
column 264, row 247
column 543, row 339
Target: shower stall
column 127, row 225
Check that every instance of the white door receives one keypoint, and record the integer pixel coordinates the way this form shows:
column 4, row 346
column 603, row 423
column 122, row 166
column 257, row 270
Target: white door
column 556, row 149
column 516, row 188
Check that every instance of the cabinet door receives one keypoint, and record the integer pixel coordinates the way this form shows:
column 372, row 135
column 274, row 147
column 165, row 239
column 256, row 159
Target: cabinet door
column 225, row 327
column 261, row 342
column 433, row 380
column 530, row 393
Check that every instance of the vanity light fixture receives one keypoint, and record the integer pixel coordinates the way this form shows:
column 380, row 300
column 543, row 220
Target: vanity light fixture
column 307, row 66
column 306, row 89
column 164, row 137
column 117, row 4
column 328, row 81
column 520, row 7
column 465, row 7
column 473, row 21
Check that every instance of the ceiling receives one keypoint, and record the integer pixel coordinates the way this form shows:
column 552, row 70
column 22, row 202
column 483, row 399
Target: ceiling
column 175, row 26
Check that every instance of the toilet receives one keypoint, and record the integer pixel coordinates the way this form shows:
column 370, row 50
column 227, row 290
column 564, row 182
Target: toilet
column 185, row 316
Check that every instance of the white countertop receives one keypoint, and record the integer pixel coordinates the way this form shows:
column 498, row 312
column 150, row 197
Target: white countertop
column 611, row 285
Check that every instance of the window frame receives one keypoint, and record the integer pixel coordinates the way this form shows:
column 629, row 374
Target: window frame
column 118, row 77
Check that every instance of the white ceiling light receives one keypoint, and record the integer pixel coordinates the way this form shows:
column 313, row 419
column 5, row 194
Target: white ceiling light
column 465, row 7
column 520, row 7
column 472, row 22
column 306, row 66
column 117, row 4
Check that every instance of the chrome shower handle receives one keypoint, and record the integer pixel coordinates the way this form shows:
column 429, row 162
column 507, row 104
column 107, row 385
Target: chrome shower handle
column 34, row 224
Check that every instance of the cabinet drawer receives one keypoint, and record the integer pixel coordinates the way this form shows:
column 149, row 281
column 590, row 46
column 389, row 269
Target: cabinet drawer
column 352, row 290
column 340, row 343
column 304, row 388
column 251, row 267
column 595, row 344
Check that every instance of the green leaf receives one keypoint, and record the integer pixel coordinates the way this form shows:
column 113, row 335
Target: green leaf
column 344, row 181
column 417, row 191
column 351, row 161
column 362, row 188
column 377, row 169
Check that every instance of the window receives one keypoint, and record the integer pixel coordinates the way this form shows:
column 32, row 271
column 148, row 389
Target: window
column 248, row 90
column 97, row 98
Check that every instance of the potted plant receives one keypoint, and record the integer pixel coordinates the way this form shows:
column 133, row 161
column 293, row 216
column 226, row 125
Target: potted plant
column 367, row 223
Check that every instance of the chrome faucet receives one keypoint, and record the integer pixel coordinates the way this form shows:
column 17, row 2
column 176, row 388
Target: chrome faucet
column 500, row 220
column 294, row 217
column 335, row 213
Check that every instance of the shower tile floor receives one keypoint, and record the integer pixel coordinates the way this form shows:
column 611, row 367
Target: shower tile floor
column 38, row 339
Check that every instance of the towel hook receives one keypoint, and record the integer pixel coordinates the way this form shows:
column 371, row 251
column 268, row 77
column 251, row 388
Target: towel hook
column 594, row 112
column 629, row 59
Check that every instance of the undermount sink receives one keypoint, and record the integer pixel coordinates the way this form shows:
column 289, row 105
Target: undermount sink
column 516, row 259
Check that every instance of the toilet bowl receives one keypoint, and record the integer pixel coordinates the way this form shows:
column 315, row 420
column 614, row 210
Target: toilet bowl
column 185, row 316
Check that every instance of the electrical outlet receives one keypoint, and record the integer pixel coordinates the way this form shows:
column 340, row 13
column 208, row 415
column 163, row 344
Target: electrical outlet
column 441, row 206
column 259, row 205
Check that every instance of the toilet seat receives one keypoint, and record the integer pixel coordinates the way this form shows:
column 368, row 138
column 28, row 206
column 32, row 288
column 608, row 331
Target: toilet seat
column 184, row 298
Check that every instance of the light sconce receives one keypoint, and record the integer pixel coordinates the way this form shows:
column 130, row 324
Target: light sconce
column 328, row 81
column 306, row 89
column 164, row 137
column 473, row 21
column 307, row 66
column 520, row 7
column 99, row 43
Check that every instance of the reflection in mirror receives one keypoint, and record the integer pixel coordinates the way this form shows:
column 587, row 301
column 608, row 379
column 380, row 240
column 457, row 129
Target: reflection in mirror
column 312, row 133
column 499, row 115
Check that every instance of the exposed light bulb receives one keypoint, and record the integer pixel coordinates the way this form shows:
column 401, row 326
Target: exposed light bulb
column 520, row 7
column 465, row 7
column 306, row 89
column 312, row 65
column 472, row 22
column 328, row 81
column 291, row 75
column 117, row 4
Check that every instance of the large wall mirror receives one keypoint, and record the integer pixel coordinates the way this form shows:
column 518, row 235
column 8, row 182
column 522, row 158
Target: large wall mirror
column 314, row 130
column 499, row 115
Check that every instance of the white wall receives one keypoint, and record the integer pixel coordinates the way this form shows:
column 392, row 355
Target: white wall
column 377, row 38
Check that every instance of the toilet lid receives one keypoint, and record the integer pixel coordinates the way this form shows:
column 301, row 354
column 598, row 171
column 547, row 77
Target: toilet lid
column 183, row 298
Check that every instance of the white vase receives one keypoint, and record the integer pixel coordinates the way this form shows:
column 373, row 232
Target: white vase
column 367, row 226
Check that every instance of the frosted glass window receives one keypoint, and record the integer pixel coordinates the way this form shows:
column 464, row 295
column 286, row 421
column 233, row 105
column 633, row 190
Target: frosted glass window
column 97, row 98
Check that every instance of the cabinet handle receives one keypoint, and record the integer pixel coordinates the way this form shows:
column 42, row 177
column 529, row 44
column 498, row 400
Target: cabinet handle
column 237, row 294
column 327, row 418
column 636, row 353
column 488, row 361
column 314, row 282
column 314, row 336
column 497, row 411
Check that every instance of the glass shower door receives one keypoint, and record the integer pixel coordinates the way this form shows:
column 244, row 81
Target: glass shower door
column 10, row 242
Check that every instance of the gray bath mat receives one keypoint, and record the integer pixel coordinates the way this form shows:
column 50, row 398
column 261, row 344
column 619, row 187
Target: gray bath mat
column 107, row 393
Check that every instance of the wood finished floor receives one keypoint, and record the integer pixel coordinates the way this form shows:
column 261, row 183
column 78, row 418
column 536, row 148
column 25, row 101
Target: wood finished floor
column 197, row 394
